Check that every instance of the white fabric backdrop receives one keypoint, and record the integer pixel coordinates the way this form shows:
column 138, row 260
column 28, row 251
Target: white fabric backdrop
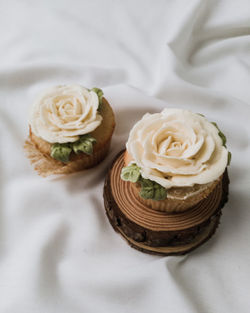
column 58, row 253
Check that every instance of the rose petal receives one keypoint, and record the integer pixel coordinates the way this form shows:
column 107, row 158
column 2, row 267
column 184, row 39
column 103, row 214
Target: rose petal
column 192, row 150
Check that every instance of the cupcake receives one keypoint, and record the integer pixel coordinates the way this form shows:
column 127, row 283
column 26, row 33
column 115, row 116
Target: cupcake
column 70, row 129
column 174, row 159
column 165, row 192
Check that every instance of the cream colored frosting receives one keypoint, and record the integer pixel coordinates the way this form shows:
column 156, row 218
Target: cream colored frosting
column 177, row 148
column 63, row 113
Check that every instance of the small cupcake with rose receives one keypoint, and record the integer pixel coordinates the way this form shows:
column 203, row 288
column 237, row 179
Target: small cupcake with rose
column 70, row 129
column 174, row 159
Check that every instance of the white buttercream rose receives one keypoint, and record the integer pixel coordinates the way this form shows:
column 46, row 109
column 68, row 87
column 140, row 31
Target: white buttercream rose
column 177, row 148
column 63, row 113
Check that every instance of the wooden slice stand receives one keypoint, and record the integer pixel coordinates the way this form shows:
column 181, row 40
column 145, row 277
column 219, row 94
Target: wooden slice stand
column 158, row 232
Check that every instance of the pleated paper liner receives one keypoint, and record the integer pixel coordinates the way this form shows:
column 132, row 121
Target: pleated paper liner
column 159, row 232
column 46, row 166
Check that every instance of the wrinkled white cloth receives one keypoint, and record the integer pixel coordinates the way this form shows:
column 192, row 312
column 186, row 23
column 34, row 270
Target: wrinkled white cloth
column 58, row 252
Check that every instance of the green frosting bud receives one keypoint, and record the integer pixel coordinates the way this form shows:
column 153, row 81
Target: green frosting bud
column 99, row 93
column 224, row 142
column 131, row 173
column 229, row 158
column 84, row 144
column 222, row 136
column 152, row 190
column 60, row 152
column 160, row 193
column 149, row 188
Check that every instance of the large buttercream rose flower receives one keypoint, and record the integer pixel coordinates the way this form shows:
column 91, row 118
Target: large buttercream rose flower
column 177, row 148
column 63, row 113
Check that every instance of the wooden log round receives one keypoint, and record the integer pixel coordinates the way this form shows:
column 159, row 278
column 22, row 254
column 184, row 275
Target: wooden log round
column 159, row 232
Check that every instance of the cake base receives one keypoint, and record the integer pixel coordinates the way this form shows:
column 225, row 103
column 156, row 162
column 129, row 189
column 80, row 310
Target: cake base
column 158, row 232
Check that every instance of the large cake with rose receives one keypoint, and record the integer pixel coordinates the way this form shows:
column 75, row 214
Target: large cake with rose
column 164, row 193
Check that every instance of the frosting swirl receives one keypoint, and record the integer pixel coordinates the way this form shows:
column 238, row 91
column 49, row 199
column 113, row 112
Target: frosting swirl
column 177, row 148
column 62, row 113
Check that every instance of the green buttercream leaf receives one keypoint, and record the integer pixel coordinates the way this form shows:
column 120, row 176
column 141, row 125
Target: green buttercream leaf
column 87, row 137
column 215, row 124
column 84, row 144
column 99, row 93
column 147, row 193
column 60, row 152
column 147, row 188
column 146, row 183
column 130, row 173
column 222, row 136
column 201, row 114
column 229, row 158
column 160, row 193
column 152, row 190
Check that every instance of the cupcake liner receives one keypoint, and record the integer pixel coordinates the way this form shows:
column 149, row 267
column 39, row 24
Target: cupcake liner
column 46, row 166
